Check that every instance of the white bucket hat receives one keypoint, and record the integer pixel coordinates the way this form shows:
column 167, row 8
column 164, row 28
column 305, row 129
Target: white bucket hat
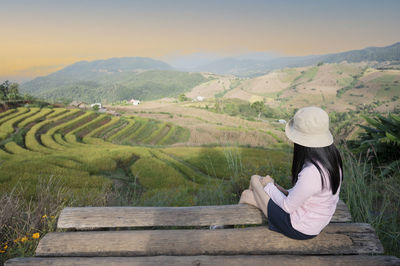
column 310, row 128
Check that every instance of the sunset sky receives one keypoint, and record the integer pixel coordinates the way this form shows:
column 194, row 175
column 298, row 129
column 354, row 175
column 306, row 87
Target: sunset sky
column 39, row 37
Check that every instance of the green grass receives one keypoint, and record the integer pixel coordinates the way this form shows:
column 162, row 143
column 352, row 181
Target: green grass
column 345, row 81
column 388, row 86
column 19, row 111
column 36, row 117
column 178, row 135
column 111, row 129
column 114, row 120
column 159, row 128
column 149, row 128
column 154, row 174
column 355, row 78
column 212, row 160
column 374, row 200
column 119, row 133
column 8, row 126
column 140, row 124
column 8, row 112
column 234, row 84
column 307, row 75
column 310, row 74
column 290, row 75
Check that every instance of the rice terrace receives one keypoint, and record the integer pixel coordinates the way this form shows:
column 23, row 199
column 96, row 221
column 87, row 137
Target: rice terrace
column 146, row 133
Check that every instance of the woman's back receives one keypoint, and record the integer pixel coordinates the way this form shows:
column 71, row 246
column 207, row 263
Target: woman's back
column 316, row 211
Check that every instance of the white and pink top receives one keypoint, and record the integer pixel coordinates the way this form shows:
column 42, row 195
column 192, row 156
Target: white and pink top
column 310, row 207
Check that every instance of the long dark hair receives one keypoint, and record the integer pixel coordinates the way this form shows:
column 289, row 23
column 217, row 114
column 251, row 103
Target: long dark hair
column 328, row 157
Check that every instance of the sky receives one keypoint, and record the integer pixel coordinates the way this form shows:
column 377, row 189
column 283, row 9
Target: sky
column 38, row 37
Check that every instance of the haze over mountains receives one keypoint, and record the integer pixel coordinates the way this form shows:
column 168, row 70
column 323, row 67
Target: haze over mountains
column 252, row 65
column 147, row 79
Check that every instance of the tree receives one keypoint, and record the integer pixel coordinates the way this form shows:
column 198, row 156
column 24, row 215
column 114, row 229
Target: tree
column 4, row 88
column 182, row 97
column 9, row 91
column 13, row 92
column 259, row 107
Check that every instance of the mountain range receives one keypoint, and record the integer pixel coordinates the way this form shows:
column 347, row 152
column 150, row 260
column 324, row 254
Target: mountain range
column 123, row 78
column 250, row 66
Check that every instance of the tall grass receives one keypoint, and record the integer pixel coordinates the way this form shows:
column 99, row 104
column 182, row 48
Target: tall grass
column 373, row 199
column 24, row 222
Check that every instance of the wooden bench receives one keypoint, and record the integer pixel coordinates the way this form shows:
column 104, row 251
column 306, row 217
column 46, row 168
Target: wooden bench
column 121, row 236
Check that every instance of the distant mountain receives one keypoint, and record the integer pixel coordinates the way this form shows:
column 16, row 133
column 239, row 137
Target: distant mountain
column 112, row 80
column 122, row 64
column 191, row 62
column 254, row 67
column 379, row 54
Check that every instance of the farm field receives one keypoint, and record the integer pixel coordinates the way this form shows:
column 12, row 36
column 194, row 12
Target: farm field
column 96, row 154
column 208, row 127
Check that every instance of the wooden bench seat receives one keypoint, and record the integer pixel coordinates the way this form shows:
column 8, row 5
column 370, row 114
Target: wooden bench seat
column 338, row 238
column 234, row 260
column 120, row 236
column 103, row 217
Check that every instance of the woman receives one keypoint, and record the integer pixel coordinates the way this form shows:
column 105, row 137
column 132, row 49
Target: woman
column 304, row 210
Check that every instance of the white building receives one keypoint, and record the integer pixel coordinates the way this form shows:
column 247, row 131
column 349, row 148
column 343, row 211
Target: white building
column 200, row 98
column 134, row 102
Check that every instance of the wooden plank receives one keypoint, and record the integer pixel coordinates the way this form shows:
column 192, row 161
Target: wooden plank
column 100, row 217
column 103, row 217
column 342, row 213
column 336, row 238
column 236, row 260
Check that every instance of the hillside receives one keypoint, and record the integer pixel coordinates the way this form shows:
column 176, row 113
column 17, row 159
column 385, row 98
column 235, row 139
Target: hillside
column 246, row 67
column 336, row 86
column 113, row 80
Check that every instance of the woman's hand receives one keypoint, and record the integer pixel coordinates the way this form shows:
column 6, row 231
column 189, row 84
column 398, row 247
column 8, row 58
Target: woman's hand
column 266, row 179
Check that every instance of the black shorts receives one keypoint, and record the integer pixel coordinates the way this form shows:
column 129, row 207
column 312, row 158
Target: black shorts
column 279, row 221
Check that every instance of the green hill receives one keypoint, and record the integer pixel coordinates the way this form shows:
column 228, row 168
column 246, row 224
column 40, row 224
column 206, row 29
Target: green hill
column 113, row 80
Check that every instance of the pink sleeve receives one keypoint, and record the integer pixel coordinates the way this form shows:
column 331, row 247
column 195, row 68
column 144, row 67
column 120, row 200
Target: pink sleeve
column 308, row 183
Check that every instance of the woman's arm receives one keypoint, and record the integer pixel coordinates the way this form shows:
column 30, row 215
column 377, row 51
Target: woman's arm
column 308, row 183
column 267, row 179
column 281, row 189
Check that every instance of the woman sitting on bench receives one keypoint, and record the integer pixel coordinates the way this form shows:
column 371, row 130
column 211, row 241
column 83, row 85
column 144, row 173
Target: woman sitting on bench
column 304, row 210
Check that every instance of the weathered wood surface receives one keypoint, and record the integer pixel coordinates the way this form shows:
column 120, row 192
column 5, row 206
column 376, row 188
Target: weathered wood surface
column 336, row 238
column 102, row 217
column 238, row 260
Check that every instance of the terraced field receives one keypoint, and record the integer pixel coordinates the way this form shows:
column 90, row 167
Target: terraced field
column 95, row 153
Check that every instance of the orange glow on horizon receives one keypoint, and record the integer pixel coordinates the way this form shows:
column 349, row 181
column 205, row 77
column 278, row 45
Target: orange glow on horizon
column 45, row 36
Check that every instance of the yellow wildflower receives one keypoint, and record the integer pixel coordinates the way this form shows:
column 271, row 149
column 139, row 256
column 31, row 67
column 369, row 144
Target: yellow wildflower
column 24, row 239
column 52, row 217
column 2, row 251
column 36, row 235
column 44, row 216
column 17, row 240
column 5, row 247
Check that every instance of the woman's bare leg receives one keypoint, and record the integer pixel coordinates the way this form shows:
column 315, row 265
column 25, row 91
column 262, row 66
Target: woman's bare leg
column 260, row 196
column 248, row 198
